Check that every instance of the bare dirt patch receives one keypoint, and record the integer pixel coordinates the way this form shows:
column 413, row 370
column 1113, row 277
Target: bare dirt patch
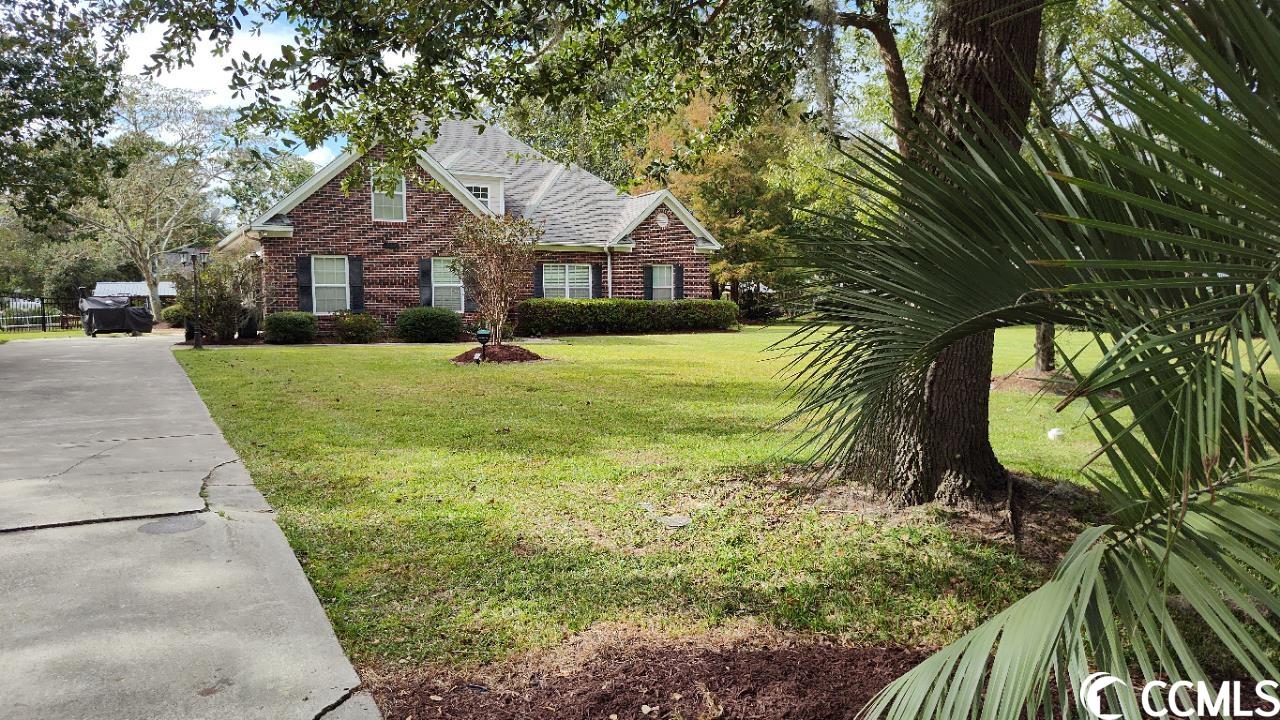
column 1053, row 513
column 630, row 674
column 1033, row 381
column 499, row 353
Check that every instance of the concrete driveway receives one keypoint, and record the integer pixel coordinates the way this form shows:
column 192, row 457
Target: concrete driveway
column 143, row 576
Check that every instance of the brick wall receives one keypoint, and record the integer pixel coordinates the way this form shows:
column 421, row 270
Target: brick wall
column 654, row 245
column 331, row 222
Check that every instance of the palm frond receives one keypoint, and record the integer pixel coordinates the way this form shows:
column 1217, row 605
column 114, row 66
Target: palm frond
column 1156, row 227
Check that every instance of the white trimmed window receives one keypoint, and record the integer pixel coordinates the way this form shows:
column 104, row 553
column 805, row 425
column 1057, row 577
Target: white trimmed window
column 446, row 285
column 566, row 280
column 388, row 208
column 481, row 193
column 330, row 290
column 664, row 282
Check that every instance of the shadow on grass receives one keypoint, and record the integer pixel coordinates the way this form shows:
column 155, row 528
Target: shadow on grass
column 464, row 584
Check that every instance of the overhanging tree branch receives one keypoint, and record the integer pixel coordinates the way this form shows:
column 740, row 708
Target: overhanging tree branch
column 878, row 23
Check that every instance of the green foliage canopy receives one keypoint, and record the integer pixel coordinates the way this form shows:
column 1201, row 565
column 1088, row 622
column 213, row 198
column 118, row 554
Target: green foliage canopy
column 374, row 71
column 59, row 78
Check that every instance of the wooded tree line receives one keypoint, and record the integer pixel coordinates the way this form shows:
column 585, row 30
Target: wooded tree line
column 103, row 173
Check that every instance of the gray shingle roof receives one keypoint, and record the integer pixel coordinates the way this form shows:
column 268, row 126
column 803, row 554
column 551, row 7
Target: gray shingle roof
column 134, row 289
column 467, row 160
column 575, row 207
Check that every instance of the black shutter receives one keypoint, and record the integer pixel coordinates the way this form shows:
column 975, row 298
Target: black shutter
column 355, row 282
column 677, row 275
column 537, row 280
column 304, row 283
column 648, row 282
column 424, row 282
column 597, row 280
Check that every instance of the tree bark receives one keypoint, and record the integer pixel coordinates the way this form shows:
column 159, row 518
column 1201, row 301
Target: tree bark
column 979, row 63
column 878, row 23
column 152, row 279
column 1046, row 360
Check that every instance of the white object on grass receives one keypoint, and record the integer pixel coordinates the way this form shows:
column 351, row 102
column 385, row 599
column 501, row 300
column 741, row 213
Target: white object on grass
column 1056, row 433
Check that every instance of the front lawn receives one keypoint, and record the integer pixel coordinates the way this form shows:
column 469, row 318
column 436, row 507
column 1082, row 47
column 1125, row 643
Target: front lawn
column 36, row 335
column 458, row 515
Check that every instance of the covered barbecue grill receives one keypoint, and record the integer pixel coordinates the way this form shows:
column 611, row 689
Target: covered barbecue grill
column 114, row 314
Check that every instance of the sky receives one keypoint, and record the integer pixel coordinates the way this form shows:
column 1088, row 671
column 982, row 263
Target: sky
column 209, row 74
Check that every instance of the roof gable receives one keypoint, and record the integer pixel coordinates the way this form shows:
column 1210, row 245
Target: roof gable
column 575, row 207
column 275, row 219
column 644, row 205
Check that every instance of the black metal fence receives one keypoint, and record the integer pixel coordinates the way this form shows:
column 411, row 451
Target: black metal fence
column 38, row 314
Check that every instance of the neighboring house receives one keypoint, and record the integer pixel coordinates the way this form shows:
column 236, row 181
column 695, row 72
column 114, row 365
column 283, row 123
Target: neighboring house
column 325, row 251
column 175, row 260
column 167, row 290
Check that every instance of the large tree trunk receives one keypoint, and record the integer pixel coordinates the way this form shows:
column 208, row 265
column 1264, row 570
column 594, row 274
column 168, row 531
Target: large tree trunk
column 151, row 276
column 1046, row 360
column 980, row 59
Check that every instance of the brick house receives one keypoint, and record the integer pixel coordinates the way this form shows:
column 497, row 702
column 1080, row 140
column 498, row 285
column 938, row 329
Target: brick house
column 324, row 250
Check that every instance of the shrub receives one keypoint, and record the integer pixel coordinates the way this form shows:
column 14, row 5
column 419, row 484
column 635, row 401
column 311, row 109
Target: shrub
column 290, row 328
column 429, row 324
column 356, row 327
column 175, row 315
column 227, row 295
column 555, row 316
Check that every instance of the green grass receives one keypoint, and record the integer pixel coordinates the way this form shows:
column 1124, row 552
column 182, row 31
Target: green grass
column 7, row 336
column 461, row 514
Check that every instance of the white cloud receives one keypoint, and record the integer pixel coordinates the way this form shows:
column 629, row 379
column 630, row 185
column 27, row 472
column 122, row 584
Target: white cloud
column 321, row 156
column 207, row 73
column 397, row 60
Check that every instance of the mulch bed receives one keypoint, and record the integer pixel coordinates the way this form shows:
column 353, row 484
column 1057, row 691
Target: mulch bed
column 228, row 343
column 499, row 353
column 802, row 682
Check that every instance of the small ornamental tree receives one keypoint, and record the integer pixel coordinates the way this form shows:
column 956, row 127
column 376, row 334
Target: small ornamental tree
column 495, row 258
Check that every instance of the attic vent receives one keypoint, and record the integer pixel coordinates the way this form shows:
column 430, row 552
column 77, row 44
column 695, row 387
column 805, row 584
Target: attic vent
column 662, row 220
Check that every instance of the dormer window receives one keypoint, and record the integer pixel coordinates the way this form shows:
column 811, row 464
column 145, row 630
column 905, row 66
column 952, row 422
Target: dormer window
column 388, row 207
column 481, row 193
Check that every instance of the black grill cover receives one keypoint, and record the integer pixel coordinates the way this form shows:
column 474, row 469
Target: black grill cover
column 113, row 314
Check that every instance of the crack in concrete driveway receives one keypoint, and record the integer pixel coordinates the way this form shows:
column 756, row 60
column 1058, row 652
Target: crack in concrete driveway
column 147, row 578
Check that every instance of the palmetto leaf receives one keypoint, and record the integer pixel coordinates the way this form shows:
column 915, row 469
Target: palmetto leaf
column 1157, row 228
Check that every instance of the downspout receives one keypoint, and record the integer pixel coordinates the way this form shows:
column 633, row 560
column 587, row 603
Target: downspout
column 608, row 259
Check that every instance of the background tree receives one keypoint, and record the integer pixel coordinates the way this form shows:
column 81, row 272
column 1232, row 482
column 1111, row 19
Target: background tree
column 735, row 191
column 55, row 260
column 494, row 256
column 165, row 199
column 59, row 78
column 257, row 177
column 573, row 133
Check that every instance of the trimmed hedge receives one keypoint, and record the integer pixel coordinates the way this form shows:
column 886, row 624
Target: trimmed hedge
column 289, row 328
column 356, row 327
column 175, row 315
column 557, row 316
column 429, row 324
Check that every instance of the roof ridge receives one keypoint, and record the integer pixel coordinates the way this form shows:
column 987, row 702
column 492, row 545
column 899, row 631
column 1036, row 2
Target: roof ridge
column 543, row 189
